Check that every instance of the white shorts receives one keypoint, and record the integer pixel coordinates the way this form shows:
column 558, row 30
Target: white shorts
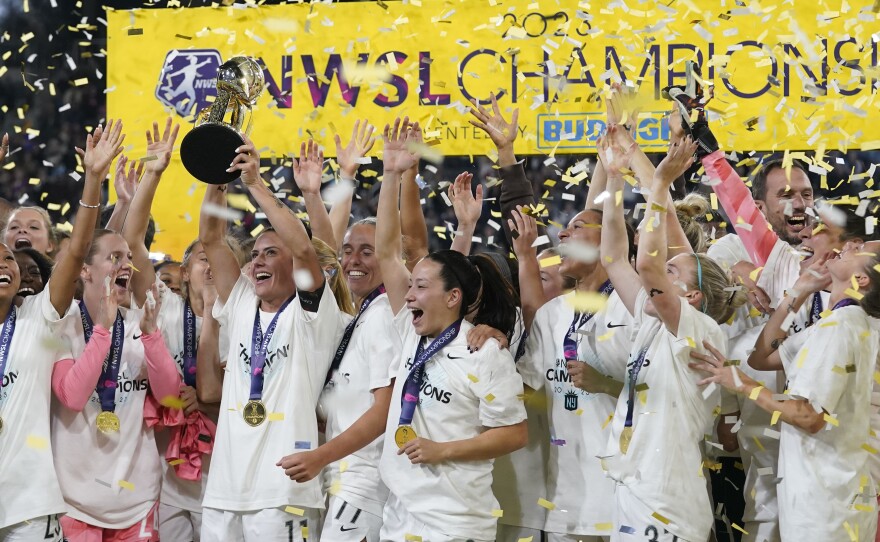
column 399, row 526
column 633, row 521
column 178, row 524
column 511, row 533
column 41, row 529
column 559, row 537
column 268, row 525
column 348, row 523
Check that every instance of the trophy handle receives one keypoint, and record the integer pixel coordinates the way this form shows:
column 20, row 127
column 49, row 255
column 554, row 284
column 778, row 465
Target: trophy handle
column 219, row 107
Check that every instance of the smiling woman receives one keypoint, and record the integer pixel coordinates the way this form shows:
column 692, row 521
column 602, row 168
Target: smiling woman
column 30, row 227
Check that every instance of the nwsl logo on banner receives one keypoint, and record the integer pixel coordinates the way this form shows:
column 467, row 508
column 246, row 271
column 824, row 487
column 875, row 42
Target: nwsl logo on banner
column 187, row 79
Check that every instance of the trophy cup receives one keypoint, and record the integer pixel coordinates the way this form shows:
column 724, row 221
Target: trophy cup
column 209, row 148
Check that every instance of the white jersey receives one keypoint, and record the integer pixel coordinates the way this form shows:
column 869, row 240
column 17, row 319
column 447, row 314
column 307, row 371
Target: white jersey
column 517, row 494
column 826, row 476
column 27, row 477
column 463, row 393
column 177, row 492
column 112, row 481
column 579, row 428
column 671, row 415
column 365, row 367
column 244, row 475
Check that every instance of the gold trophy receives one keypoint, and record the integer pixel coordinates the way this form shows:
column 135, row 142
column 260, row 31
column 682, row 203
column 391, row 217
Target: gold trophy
column 209, row 148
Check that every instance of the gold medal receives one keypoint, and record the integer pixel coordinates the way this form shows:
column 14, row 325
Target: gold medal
column 254, row 413
column 625, row 437
column 1, row 425
column 107, row 422
column 404, row 434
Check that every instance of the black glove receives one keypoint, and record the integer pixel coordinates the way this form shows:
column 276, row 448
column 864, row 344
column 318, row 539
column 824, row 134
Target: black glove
column 689, row 100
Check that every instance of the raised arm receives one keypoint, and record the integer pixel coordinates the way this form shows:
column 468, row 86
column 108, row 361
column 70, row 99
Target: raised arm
column 209, row 372
column 396, row 159
column 516, row 189
column 101, row 148
column 652, row 254
column 158, row 157
column 467, row 210
column 765, row 356
column 614, row 247
column 307, row 172
column 289, row 228
column 125, row 183
column 212, row 236
column 162, row 372
column 413, row 228
column 349, row 158
column 524, row 231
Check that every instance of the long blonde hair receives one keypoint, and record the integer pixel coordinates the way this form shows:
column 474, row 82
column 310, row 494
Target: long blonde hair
column 329, row 262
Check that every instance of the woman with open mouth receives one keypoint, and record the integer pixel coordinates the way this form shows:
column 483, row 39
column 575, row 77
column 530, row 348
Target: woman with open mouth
column 30, row 227
column 29, row 348
column 115, row 360
column 453, row 410
column 654, row 450
column 826, row 490
column 35, row 269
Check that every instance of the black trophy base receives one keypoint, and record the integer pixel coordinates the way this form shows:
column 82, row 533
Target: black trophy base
column 207, row 151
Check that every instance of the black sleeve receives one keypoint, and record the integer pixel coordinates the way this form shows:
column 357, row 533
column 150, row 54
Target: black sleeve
column 311, row 300
column 516, row 189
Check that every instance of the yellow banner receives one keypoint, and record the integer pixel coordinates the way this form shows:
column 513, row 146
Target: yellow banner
column 783, row 77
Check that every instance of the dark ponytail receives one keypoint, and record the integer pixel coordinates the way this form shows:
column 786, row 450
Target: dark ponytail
column 498, row 302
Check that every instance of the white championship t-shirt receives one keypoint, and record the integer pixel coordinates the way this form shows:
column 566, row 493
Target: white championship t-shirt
column 27, row 477
column 579, row 428
column 671, row 415
column 365, row 366
column 825, row 476
column 177, row 492
column 244, row 475
column 108, row 480
column 463, row 393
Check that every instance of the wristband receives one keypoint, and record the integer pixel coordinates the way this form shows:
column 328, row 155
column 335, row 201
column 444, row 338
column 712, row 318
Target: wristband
column 87, row 206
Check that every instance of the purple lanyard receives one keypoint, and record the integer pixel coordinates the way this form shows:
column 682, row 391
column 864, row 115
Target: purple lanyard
column 6, row 339
column 349, row 331
column 845, row 302
column 409, row 396
column 570, row 344
column 633, row 377
column 106, row 388
column 190, row 348
column 259, row 349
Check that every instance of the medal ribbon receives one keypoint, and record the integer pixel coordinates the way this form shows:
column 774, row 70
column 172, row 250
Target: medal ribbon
column 409, row 396
column 633, row 376
column 106, row 388
column 189, row 345
column 259, row 349
column 845, row 302
column 570, row 344
column 815, row 309
column 6, row 339
column 349, row 330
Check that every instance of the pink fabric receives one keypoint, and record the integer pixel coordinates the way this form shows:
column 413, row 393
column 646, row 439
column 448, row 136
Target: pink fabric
column 74, row 380
column 191, row 437
column 161, row 369
column 737, row 201
column 144, row 530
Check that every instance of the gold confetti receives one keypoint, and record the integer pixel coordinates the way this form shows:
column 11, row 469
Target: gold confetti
column 544, row 503
column 37, row 443
column 294, row 510
column 124, row 484
column 276, row 416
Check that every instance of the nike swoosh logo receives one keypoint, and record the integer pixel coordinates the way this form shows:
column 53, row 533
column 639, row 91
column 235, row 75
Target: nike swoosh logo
column 136, row 337
column 343, row 529
column 615, row 325
column 450, row 356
